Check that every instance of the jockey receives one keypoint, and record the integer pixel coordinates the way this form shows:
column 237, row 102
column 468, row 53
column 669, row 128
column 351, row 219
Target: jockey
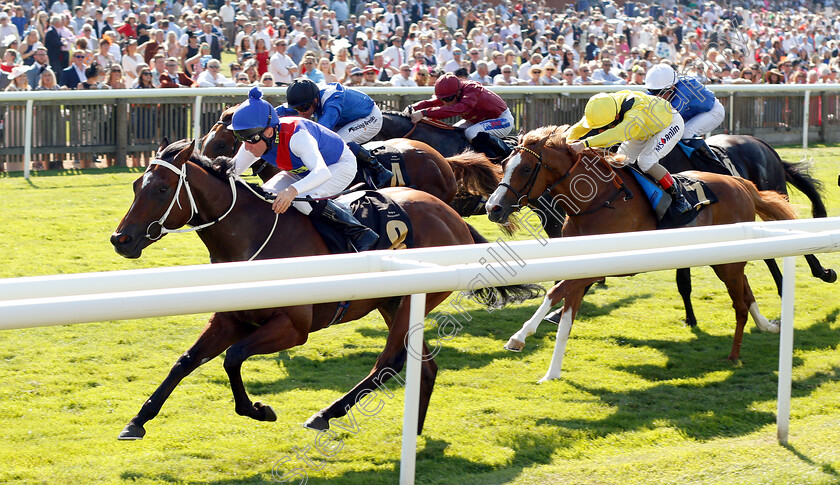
column 701, row 111
column 314, row 162
column 482, row 110
column 646, row 127
column 348, row 112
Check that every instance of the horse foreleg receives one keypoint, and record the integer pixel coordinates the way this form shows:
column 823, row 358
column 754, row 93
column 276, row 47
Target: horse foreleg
column 684, row 287
column 367, row 394
column 572, row 291
column 278, row 333
column 517, row 341
column 218, row 335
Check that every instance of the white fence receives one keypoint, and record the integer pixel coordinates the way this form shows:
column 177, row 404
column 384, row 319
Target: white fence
column 238, row 286
column 727, row 92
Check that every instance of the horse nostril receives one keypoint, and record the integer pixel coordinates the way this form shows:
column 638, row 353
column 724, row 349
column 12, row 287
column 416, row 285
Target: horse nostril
column 120, row 238
column 495, row 208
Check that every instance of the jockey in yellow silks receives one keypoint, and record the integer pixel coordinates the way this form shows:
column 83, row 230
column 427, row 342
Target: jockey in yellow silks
column 645, row 127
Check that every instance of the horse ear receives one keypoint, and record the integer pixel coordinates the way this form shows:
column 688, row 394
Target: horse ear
column 184, row 154
column 163, row 144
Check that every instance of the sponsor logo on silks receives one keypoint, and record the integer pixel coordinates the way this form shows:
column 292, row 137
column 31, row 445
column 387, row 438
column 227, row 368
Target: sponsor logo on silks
column 496, row 124
column 662, row 141
column 363, row 124
column 299, row 170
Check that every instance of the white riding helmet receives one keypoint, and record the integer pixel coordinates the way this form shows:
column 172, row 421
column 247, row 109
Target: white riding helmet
column 660, row 76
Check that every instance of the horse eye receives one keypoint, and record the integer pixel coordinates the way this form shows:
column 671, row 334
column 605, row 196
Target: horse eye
column 163, row 189
column 526, row 169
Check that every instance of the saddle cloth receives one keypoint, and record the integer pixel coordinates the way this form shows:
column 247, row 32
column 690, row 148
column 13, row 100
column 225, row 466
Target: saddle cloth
column 390, row 158
column 696, row 193
column 376, row 211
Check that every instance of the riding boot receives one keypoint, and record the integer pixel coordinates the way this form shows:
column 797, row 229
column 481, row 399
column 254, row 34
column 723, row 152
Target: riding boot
column 360, row 236
column 380, row 176
column 678, row 200
column 490, row 145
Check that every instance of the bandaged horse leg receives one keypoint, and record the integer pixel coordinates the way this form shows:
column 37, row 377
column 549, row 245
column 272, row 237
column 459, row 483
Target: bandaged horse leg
column 572, row 291
column 517, row 341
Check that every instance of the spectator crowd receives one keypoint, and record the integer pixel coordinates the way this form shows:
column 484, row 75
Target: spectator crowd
column 90, row 44
column 105, row 44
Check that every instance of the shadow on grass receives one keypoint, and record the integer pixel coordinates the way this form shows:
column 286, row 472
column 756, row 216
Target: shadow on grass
column 826, row 468
column 706, row 410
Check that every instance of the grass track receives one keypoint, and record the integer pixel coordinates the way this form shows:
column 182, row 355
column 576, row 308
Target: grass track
column 642, row 399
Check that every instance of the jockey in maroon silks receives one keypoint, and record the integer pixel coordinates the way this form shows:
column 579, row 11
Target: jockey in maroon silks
column 486, row 117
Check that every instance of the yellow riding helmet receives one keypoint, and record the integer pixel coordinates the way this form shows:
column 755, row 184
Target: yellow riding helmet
column 600, row 111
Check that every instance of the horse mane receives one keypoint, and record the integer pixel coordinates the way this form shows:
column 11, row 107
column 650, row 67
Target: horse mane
column 394, row 113
column 219, row 167
column 557, row 139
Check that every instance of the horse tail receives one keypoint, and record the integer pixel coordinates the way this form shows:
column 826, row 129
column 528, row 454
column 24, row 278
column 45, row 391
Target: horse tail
column 500, row 296
column 769, row 204
column 475, row 172
column 797, row 175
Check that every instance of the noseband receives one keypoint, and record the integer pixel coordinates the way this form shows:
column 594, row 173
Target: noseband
column 182, row 182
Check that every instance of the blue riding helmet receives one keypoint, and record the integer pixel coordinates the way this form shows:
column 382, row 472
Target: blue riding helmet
column 252, row 117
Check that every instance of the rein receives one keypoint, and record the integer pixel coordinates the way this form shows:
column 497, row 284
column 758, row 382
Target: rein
column 436, row 123
column 616, row 179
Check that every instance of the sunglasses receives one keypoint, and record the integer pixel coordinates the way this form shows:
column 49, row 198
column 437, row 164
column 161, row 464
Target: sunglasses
column 449, row 98
column 79, row 57
column 254, row 135
column 303, row 107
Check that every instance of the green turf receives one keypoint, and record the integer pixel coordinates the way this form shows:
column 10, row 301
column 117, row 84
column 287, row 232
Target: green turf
column 642, row 399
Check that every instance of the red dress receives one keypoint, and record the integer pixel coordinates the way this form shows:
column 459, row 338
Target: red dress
column 262, row 62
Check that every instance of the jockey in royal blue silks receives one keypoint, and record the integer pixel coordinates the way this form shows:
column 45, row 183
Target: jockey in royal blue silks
column 349, row 112
column 697, row 105
column 314, row 162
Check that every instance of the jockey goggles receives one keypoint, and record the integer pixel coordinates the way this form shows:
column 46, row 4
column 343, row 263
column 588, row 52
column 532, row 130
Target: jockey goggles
column 301, row 108
column 252, row 135
column 449, row 98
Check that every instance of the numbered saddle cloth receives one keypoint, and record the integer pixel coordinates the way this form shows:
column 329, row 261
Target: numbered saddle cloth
column 376, row 211
column 390, row 158
column 696, row 193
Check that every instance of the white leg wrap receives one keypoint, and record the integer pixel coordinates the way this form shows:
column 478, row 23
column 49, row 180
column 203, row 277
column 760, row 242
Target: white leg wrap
column 563, row 331
column 762, row 323
column 517, row 341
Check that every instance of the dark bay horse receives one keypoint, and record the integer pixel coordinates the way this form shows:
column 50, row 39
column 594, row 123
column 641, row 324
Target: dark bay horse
column 237, row 228
column 759, row 163
column 448, row 140
column 426, row 169
column 543, row 160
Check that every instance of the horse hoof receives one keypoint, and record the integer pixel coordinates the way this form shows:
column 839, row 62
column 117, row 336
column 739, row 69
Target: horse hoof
column 554, row 317
column 690, row 322
column 317, row 422
column 514, row 345
column 132, row 432
column 265, row 412
column 547, row 378
column 830, row 276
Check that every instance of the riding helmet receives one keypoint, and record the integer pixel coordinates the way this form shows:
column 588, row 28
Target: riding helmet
column 301, row 92
column 447, row 86
column 601, row 110
column 660, row 76
column 254, row 115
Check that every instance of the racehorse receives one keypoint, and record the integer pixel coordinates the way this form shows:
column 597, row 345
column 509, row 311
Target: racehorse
column 425, row 168
column 446, row 139
column 236, row 224
column 543, row 160
column 759, row 163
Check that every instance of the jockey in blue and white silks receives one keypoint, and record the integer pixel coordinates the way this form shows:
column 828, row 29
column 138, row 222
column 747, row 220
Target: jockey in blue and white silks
column 349, row 112
column 697, row 105
column 314, row 162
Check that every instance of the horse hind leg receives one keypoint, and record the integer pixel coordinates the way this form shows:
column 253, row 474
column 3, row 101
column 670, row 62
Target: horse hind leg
column 732, row 275
column 826, row 274
column 684, row 287
column 218, row 335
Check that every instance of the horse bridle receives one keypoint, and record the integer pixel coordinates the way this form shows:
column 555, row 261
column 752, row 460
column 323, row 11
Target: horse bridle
column 182, row 182
column 533, row 179
column 540, row 164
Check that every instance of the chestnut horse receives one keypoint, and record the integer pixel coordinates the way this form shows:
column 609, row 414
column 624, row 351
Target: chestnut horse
column 427, row 170
column 543, row 160
column 236, row 223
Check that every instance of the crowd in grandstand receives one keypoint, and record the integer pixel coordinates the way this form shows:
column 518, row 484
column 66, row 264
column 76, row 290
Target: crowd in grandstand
column 90, row 44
